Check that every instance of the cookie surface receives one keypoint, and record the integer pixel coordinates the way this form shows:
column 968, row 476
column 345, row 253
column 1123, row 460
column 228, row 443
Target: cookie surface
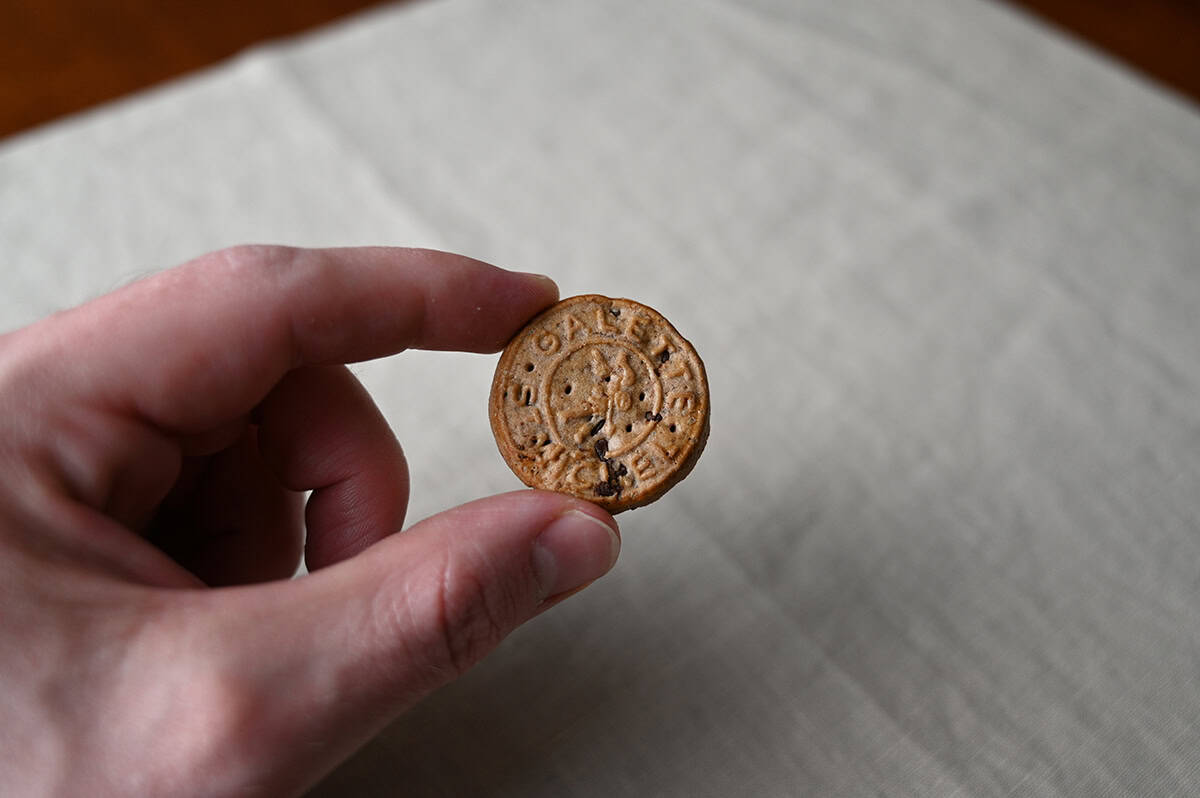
column 602, row 399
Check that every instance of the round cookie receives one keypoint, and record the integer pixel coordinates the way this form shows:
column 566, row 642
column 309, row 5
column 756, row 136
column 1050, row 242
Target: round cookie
column 602, row 399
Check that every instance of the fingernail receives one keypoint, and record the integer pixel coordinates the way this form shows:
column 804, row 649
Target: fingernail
column 541, row 278
column 572, row 551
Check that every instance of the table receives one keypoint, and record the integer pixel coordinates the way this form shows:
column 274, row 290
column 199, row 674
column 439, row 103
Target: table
column 944, row 269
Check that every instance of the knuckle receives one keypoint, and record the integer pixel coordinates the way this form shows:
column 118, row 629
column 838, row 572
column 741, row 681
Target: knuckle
column 228, row 714
column 254, row 257
column 227, row 710
column 455, row 615
column 471, row 618
column 267, row 267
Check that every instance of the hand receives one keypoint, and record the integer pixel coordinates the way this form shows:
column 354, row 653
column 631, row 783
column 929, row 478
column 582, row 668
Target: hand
column 157, row 441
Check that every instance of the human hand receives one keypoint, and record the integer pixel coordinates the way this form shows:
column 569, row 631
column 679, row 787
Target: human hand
column 158, row 440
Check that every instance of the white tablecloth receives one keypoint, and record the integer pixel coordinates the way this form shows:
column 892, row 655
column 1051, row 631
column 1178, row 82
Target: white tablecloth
column 944, row 269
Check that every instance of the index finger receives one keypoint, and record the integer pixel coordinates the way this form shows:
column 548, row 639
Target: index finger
column 195, row 346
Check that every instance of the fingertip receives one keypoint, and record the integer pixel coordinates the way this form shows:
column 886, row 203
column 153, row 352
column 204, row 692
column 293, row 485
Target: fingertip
column 576, row 542
column 573, row 551
column 545, row 283
column 553, row 504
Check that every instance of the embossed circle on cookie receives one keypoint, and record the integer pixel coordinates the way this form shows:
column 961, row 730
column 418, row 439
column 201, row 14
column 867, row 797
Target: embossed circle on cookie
column 621, row 400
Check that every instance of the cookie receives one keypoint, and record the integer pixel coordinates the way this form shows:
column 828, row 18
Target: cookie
column 602, row 399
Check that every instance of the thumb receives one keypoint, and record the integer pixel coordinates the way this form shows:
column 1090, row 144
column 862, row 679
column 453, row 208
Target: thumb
column 332, row 657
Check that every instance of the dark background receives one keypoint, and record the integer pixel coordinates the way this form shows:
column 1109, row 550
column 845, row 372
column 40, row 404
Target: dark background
column 60, row 56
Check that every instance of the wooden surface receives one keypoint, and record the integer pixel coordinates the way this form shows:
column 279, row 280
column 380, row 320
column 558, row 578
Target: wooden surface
column 1160, row 38
column 61, row 56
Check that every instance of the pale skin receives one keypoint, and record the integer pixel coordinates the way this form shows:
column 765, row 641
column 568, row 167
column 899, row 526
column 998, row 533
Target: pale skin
column 155, row 445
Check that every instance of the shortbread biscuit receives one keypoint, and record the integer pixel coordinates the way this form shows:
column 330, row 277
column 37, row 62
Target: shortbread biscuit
column 602, row 399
